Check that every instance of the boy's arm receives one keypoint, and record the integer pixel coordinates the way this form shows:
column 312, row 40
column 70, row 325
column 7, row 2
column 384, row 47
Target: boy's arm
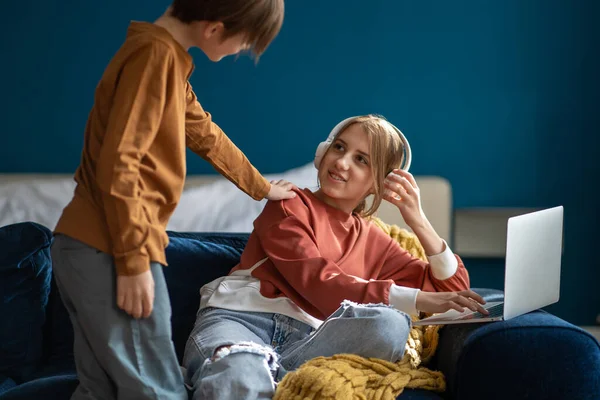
column 207, row 140
column 133, row 122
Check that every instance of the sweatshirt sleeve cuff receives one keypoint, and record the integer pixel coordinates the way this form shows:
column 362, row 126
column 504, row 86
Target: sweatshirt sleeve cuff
column 404, row 299
column 444, row 264
column 132, row 264
column 263, row 191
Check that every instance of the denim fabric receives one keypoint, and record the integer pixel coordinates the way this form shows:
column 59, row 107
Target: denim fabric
column 241, row 355
column 25, row 273
column 116, row 355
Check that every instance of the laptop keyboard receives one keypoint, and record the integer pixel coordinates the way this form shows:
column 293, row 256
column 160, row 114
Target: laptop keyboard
column 494, row 311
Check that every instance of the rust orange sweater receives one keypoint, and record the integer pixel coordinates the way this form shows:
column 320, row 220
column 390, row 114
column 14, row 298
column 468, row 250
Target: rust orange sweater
column 133, row 163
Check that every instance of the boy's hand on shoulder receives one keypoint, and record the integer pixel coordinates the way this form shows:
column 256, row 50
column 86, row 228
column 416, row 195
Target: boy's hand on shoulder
column 281, row 190
column 135, row 294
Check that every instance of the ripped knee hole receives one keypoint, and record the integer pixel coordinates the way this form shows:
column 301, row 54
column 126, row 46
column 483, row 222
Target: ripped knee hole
column 245, row 347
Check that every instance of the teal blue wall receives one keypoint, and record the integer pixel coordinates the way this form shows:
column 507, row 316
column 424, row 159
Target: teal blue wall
column 500, row 97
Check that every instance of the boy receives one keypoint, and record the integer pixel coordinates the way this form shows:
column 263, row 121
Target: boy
column 111, row 238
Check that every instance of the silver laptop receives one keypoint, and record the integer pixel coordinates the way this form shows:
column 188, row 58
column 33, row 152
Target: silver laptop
column 532, row 270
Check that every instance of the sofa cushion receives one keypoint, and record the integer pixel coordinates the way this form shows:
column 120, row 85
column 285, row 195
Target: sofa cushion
column 57, row 358
column 25, row 273
column 535, row 355
column 57, row 387
column 414, row 394
column 6, row 383
column 195, row 259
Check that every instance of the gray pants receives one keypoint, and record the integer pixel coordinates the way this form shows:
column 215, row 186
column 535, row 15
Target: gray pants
column 117, row 356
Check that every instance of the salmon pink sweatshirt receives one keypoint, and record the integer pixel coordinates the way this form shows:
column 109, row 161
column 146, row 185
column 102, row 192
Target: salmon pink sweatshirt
column 305, row 257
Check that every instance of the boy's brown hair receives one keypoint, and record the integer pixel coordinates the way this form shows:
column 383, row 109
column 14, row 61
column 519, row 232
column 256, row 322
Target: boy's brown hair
column 260, row 20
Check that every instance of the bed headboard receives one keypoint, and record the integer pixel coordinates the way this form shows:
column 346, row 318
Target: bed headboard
column 436, row 196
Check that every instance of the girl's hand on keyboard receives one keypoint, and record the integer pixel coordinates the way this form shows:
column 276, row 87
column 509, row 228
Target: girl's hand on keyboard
column 439, row 302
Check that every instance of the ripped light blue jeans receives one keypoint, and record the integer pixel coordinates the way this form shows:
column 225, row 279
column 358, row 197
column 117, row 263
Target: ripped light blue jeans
column 241, row 355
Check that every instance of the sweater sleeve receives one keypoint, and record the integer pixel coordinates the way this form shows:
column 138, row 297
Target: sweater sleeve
column 135, row 116
column 405, row 270
column 288, row 239
column 206, row 139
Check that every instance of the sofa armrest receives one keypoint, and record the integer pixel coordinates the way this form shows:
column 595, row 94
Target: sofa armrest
column 533, row 356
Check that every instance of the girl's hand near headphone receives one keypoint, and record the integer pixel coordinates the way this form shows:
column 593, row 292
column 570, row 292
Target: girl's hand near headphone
column 402, row 190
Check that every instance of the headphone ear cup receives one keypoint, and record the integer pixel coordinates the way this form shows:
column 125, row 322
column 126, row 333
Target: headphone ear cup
column 321, row 149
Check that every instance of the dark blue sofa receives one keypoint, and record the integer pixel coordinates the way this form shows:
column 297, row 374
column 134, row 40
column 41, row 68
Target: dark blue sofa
column 534, row 356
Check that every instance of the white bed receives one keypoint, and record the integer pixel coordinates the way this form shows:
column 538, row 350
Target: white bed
column 209, row 202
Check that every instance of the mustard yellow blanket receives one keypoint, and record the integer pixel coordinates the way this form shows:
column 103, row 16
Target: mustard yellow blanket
column 350, row 377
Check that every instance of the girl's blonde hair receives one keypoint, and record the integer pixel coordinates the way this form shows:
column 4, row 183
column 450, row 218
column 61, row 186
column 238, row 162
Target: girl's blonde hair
column 386, row 154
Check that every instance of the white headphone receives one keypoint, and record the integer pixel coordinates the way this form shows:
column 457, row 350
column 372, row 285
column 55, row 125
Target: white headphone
column 323, row 146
